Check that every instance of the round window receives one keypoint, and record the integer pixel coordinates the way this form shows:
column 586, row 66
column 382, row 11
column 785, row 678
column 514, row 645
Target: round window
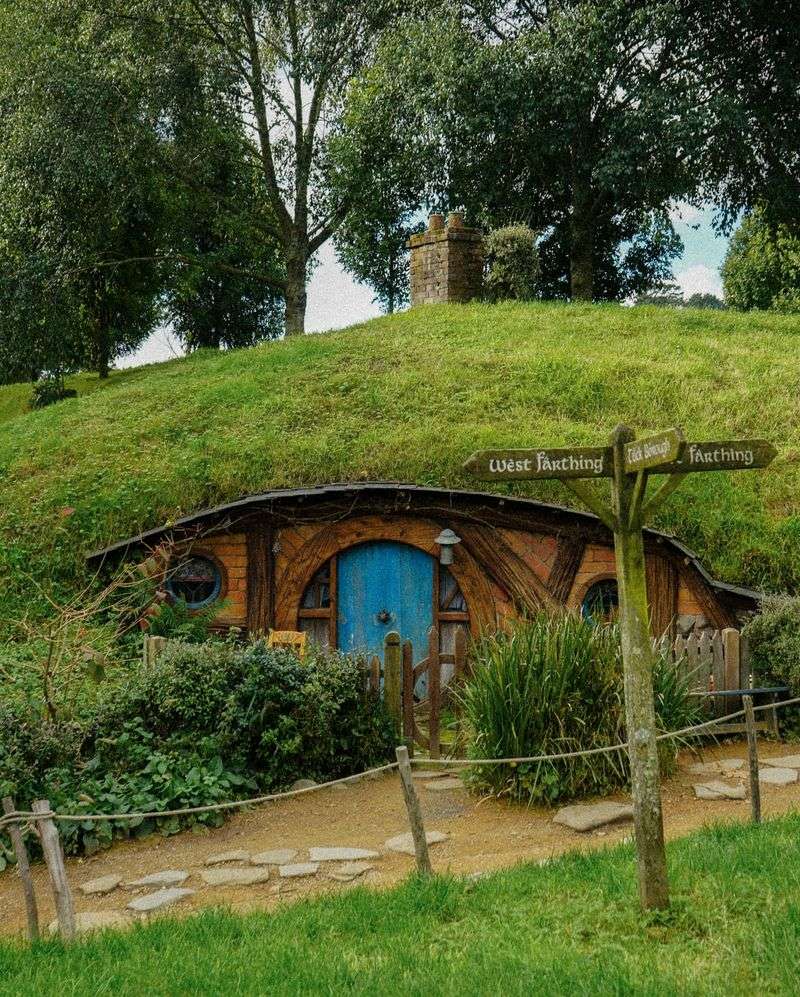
column 601, row 602
column 197, row 581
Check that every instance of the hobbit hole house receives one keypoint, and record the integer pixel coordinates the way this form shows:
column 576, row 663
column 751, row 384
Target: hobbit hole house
column 349, row 563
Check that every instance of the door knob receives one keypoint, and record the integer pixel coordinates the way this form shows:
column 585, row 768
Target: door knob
column 384, row 616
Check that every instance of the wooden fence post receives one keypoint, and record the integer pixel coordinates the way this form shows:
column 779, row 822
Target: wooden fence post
column 414, row 813
column 731, row 653
column 434, row 691
column 24, row 870
column 375, row 674
column 54, row 857
column 408, row 696
column 391, row 678
column 752, row 751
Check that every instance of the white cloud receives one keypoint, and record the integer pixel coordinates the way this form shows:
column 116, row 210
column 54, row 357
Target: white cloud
column 699, row 279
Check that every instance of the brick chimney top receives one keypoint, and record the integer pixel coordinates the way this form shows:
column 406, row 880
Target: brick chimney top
column 446, row 261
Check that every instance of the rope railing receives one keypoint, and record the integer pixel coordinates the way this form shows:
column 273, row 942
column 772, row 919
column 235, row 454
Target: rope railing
column 607, row 749
column 15, row 816
column 18, row 815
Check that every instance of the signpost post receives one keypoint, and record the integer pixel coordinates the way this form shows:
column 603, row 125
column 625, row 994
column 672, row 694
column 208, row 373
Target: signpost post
column 628, row 463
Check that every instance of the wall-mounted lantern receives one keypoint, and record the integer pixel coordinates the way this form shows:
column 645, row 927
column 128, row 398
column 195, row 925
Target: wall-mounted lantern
column 447, row 541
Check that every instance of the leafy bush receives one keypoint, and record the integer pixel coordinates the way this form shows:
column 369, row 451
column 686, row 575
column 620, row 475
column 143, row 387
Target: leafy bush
column 511, row 264
column 553, row 685
column 178, row 621
column 773, row 637
column 50, row 390
column 762, row 266
column 205, row 723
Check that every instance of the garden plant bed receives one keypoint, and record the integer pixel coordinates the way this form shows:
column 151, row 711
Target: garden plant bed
column 483, row 835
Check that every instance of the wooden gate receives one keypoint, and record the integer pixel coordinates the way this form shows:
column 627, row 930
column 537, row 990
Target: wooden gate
column 418, row 718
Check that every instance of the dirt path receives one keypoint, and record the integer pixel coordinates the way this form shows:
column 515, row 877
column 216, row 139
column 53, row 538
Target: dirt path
column 483, row 835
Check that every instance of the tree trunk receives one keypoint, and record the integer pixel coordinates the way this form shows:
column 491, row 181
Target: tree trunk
column 582, row 226
column 295, row 314
column 103, row 347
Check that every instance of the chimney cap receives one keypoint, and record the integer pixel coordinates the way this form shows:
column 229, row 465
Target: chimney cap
column 455, row 219
column 435, row 222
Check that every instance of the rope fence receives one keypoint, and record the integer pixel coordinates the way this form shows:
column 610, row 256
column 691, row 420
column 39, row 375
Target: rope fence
column 44, row 818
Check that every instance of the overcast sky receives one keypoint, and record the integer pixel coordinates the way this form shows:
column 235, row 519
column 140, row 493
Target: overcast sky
column 335, row 300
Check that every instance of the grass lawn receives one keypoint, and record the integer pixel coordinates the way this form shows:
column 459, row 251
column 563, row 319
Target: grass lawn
column 409, row 397
column 570, row 927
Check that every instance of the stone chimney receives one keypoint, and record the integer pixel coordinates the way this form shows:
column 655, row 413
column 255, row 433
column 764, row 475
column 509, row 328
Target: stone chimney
column 446, row 261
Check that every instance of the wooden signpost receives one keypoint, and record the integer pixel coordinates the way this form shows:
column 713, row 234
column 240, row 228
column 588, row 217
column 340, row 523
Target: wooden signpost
column 628, row 463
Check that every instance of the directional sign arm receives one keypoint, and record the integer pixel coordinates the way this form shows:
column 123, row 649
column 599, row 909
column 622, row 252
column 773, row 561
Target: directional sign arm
column 592, row 501
column 662, row 493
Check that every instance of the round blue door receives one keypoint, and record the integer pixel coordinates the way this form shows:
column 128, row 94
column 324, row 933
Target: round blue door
column 384, row 586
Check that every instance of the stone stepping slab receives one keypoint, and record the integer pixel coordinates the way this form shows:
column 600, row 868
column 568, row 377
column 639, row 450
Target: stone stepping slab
column 94, row 920
column 161, row 898
column 777, row 776
column 234, row 876
column 298, row 869
column 169, row 877
column 237, row 855
column 434, row 773
column 719, row 791
column 105, row 884
column 783, row 762
column 404, row 843
column 588, row 816
column 341, row 854
column 443, row 785
column 349, row 871
column 278, row 856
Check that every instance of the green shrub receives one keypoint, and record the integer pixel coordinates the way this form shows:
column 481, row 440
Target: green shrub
column 511, row 268
column 205, row 723
column 50, row 390
column 554, row 684
column 177, row 621
column 773, row 638
column 762, row 266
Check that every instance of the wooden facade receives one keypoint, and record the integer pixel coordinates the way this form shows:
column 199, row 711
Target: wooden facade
column 279, row 554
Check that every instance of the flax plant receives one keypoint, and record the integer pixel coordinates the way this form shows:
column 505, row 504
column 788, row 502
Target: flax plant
column 553, row 684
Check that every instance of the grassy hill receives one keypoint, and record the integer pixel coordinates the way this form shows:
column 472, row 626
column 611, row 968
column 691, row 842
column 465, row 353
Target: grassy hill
column 409, row 397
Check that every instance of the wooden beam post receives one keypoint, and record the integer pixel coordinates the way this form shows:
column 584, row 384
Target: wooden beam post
column 408, row 696
column 637, row 658
column 391, row 678
column 434, row 692
column 414, row 812
column 54, row 858
column 24, row 871
column 752, row 752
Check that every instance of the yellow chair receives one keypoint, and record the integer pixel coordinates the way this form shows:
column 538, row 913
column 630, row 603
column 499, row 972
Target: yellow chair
column 289, row 640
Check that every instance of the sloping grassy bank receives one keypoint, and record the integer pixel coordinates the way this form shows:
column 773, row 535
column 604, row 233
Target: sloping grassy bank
column 570, row 927
column 409, row 397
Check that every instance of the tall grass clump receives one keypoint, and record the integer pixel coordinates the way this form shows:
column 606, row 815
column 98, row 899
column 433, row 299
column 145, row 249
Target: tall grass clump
column 554, row 684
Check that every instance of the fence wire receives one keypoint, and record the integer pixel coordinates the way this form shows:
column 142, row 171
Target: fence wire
column 16, row 816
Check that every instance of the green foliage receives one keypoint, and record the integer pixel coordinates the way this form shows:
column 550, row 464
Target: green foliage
column 175, row 619
column 762, row 266
column 705, row 300
column 773, row 637
column 157, row 443
column 205, row 723
column 554, row 685
column 49, row 390
column 80, row 195
column 506, row 110
column 511, row 264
